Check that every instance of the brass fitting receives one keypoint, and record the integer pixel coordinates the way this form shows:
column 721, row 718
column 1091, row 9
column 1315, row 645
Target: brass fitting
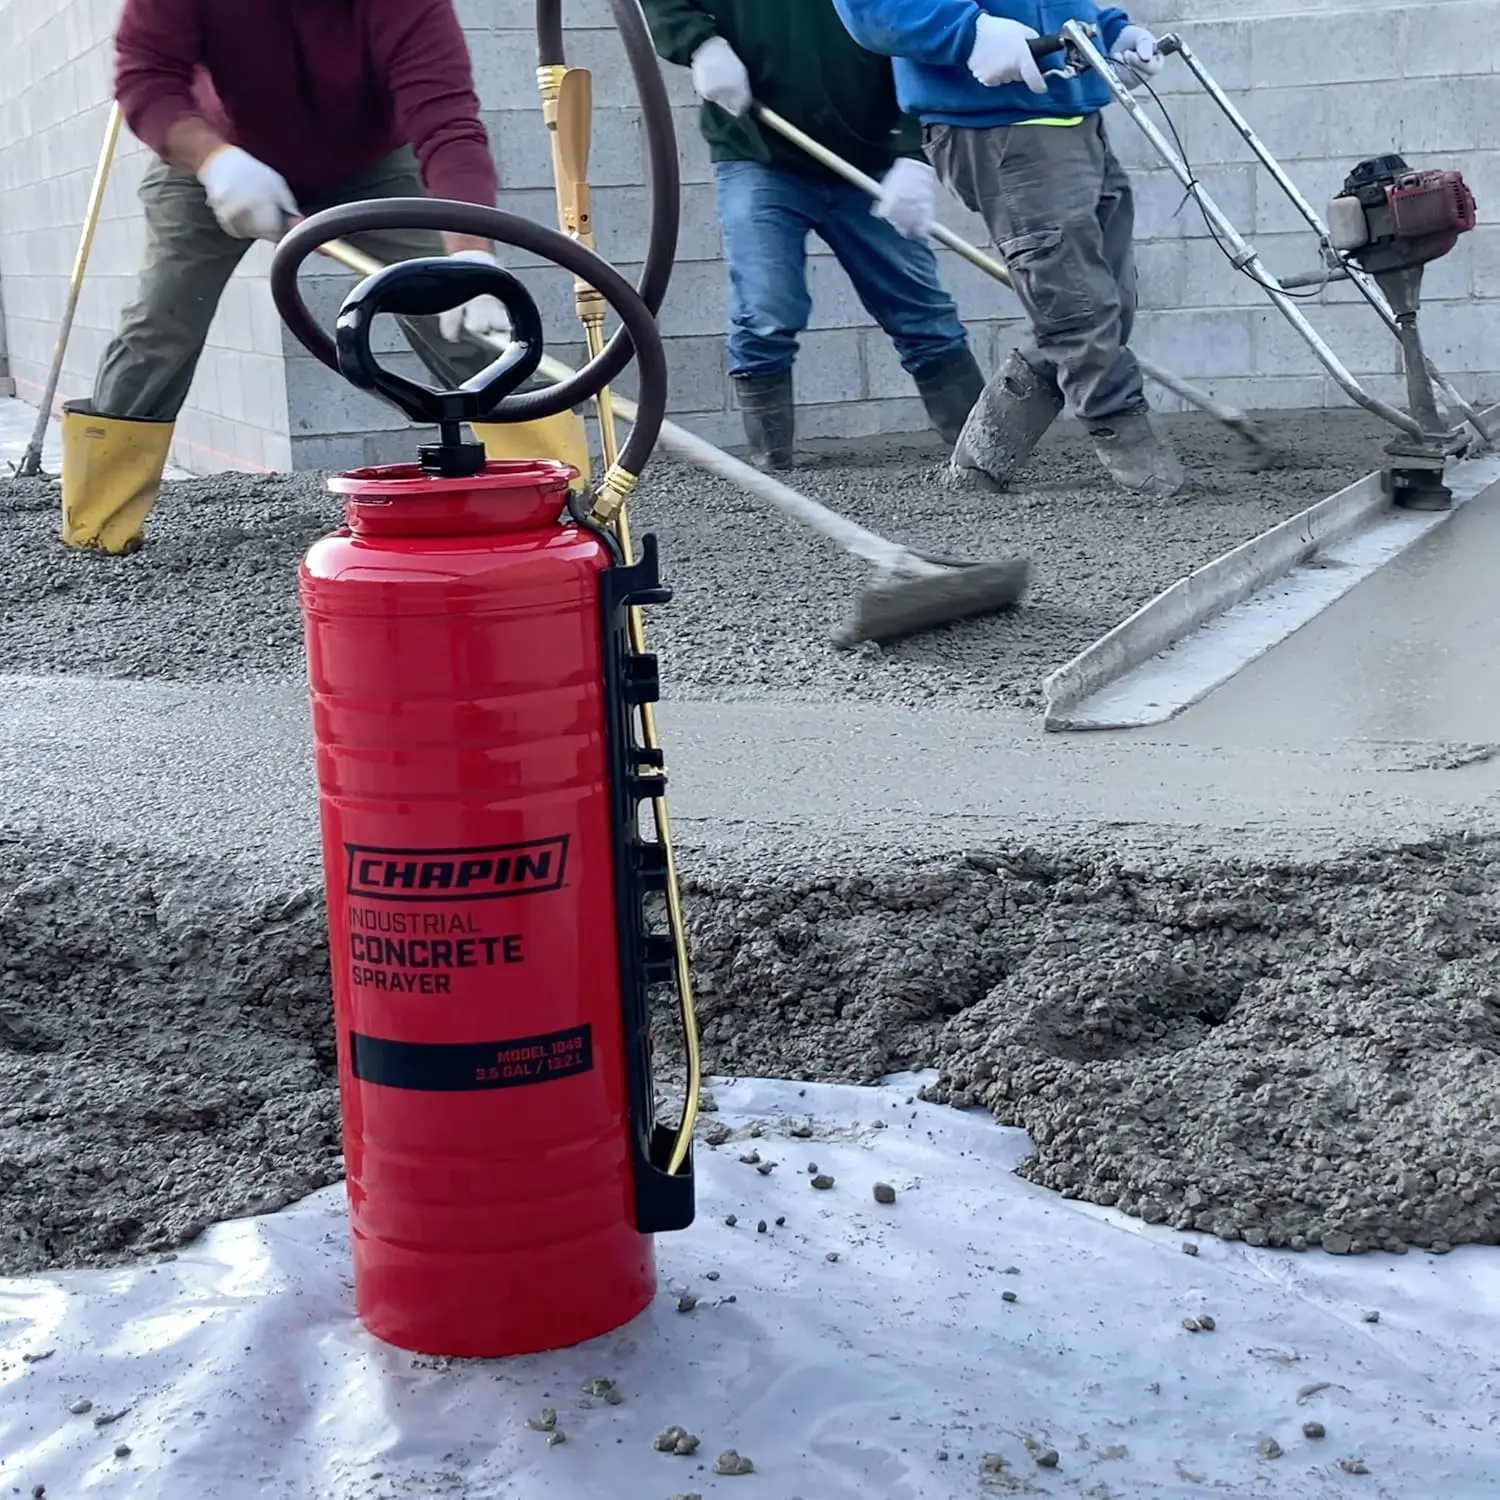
column 614, row 490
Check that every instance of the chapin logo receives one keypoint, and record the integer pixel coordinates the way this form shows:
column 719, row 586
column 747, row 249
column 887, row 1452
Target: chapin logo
column 483, row 874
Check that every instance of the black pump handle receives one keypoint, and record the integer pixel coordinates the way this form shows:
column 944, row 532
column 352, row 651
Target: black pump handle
column 424, row 288
column 1041, row 46
column 638, row 335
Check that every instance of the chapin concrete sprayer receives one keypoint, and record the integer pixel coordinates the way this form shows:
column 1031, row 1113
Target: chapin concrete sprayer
column 473, row 683
column 1383, row 228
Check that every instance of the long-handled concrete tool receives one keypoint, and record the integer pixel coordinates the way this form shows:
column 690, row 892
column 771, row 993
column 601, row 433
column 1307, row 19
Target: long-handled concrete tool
column 911, row 591
column 30, row 463
column 1262, row 450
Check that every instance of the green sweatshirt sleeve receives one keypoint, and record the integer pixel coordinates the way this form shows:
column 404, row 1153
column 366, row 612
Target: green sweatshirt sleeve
column 678, row 28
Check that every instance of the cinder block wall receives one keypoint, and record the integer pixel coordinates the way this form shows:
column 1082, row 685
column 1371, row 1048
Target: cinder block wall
column 54, row 107
column 1419, row 78
column 1324, row 84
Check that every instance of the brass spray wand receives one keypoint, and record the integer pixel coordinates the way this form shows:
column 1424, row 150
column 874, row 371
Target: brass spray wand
column 567, row 110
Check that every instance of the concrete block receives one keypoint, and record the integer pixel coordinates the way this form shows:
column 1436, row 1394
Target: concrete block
column 1162, row 273
column 264, row 385
column 325, row 453
column 318, row 401
column 835, row 303
column 696, row 302
column 953, row 215
column 722, row 429
column 505, row 67
column 829, row 367
column 1414, row 115
column 1440, row 42
column 978, row 295
column 1248, row 394
column 883, row 376
column 863, row 419
column 1461, row 335
column 1304, row 49
column 1359, row 339
column 885, row 379
column 1221, row 46
column 1162, row 212
column 1484, row 255
column 696, row 374
column 1318, row 181
column 1196, row 344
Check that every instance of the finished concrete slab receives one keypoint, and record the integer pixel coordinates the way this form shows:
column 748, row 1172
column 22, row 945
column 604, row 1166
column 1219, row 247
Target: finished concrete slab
column 187, row 768
column 1411, row 655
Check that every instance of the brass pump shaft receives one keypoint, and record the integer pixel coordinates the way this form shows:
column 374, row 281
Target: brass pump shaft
column 567, row 109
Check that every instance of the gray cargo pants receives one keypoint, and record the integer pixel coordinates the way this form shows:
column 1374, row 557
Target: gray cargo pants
column 148, row 367
column 1058, row 205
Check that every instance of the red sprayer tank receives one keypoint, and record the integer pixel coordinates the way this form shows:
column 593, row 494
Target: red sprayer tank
column 471, row 684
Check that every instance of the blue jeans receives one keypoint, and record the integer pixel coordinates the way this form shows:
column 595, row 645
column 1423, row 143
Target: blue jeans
column 766, row 214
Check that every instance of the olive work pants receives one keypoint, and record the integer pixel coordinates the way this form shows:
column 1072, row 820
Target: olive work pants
column 148, row 368
column 1058, row 204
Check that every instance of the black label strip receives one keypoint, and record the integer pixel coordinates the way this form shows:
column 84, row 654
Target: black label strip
column 458, row 1067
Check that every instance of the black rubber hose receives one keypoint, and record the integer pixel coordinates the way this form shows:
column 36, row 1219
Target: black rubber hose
column 641, row 335
column 663, row 180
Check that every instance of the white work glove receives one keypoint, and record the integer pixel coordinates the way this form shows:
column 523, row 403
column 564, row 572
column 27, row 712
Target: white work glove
column 484, row 317
column 1000, row 54
column 908, row 198
column 250, row 200
column 1135, row 47
column 720, row 77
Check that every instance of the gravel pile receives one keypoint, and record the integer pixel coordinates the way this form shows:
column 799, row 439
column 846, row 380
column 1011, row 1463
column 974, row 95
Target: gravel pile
column 756, row 599
column 1293, row 1055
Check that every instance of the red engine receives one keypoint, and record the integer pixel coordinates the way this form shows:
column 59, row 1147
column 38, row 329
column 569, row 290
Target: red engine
column 471, row 683
column 1431, row 203
column 1391, row 218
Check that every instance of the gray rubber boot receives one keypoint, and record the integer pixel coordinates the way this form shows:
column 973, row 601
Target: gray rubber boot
column 1137, row 456
column 949, row 388
column 1010, row 418
column 770, row 416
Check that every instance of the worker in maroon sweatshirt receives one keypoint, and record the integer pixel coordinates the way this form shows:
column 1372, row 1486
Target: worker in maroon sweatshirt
column 259, row 111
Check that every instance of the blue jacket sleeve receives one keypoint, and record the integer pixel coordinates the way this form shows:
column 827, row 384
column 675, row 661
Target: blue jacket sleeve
column 1112, row 21
column 937, row 32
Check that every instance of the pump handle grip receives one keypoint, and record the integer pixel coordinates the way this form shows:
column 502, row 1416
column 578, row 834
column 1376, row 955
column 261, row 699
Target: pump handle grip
column 423, row 288
column 1041, row 46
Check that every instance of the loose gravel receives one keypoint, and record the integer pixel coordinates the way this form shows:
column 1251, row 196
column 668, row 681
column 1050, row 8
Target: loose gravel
column 1294, row 1054
column 213, row 596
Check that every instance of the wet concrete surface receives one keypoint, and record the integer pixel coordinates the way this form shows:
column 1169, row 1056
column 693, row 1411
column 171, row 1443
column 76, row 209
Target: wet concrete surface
column 1412, row 654
column 210, row 767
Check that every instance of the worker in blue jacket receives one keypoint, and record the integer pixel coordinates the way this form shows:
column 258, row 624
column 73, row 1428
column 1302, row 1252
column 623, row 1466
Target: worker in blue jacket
column 1030, row 154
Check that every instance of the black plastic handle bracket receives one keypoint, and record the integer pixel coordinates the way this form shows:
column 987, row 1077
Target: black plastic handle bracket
column 664, row 1200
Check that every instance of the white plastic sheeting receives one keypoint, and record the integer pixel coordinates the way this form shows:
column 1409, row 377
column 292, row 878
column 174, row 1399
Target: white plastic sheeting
column 897, row 1370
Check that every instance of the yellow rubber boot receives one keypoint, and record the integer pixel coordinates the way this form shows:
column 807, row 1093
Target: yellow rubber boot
column 562, row 437
column 111, row 476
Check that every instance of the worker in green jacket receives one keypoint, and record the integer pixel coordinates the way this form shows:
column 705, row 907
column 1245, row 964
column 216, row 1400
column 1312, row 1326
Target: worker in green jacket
column 795, row 57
